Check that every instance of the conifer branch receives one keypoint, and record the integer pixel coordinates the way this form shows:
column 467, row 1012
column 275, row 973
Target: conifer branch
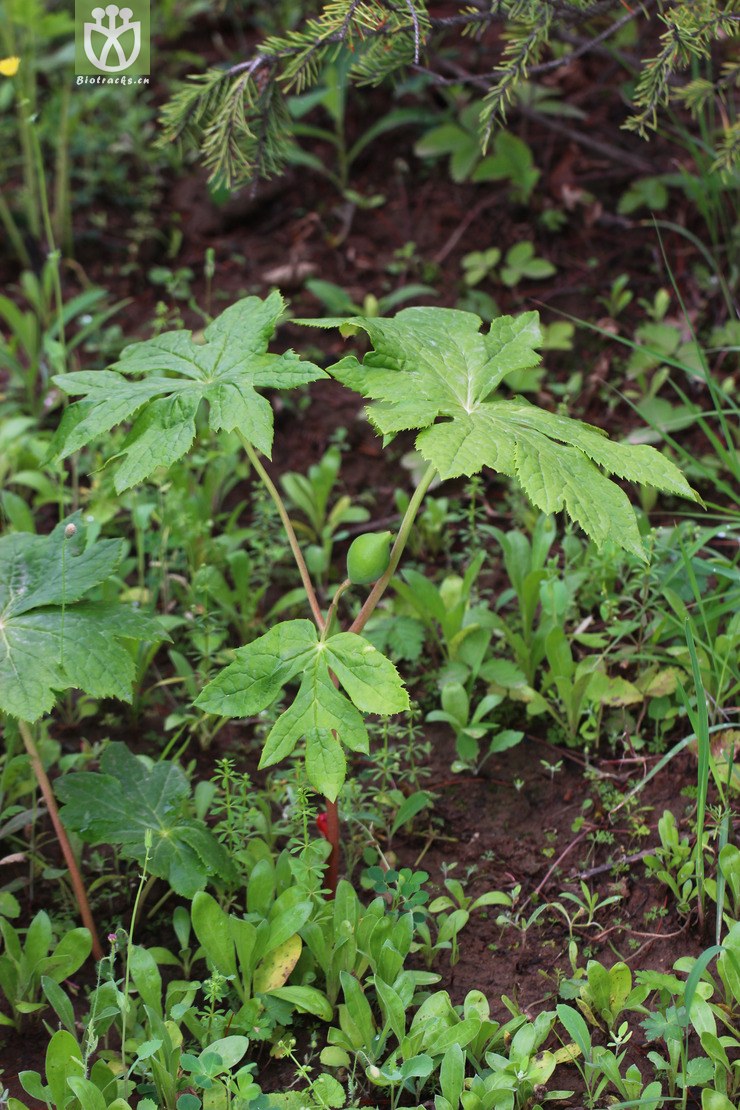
column 238, row 116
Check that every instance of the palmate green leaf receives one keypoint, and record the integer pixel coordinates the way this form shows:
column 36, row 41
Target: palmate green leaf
column 127, row 798
column 51, row 638
column 54, row 569
column 322, row 715
column 433, row 370
column 162, row 382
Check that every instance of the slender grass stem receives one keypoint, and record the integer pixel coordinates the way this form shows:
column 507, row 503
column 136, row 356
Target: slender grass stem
column 54, row 254
column 702, row 740
column 61, row 216
column 26, row 109
column 148, row 838
column 14, row 235
column 332, row 808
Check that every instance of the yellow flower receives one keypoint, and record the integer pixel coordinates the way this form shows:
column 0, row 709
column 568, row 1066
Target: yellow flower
column 9, row 66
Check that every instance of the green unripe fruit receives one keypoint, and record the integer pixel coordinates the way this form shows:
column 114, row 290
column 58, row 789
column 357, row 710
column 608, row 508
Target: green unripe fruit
column 368, row 557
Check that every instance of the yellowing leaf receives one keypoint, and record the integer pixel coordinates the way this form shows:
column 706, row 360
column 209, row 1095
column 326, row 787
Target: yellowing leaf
column 568, row 1054
column 275, row 969
column 9, row 66
column 612, row 690
column 658, row 684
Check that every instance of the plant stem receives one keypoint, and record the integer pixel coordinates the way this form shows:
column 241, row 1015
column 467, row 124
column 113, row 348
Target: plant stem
column 396, row 551
column 148, row 837
column 25, row 111
column 289, row 530
column 332, row 810
column 333, row 607
column 62, row 218
column 74, row 872
column 332, row 835
column 701, row 723
column 14, row 235
column 54, row 254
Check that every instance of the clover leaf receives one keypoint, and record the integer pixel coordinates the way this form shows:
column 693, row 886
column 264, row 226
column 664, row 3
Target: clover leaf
column 128, row 798
column 51, row 637
column 165, row 379
column 320, row 712
column 434, row 371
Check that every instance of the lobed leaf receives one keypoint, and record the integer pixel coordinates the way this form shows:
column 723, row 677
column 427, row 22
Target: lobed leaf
column 260, row 670
column 369, row 678
column 128, row 798
column 432, row 370
column 54, row 649
column 165, row 379
column 50, row 639
column 321, row 714
column 55, row 569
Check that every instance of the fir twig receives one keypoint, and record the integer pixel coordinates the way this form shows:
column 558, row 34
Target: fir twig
column 238, row 116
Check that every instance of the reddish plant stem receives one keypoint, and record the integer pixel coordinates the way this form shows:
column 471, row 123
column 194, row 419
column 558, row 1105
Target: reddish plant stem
column 332, row 835
column 78, row 885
